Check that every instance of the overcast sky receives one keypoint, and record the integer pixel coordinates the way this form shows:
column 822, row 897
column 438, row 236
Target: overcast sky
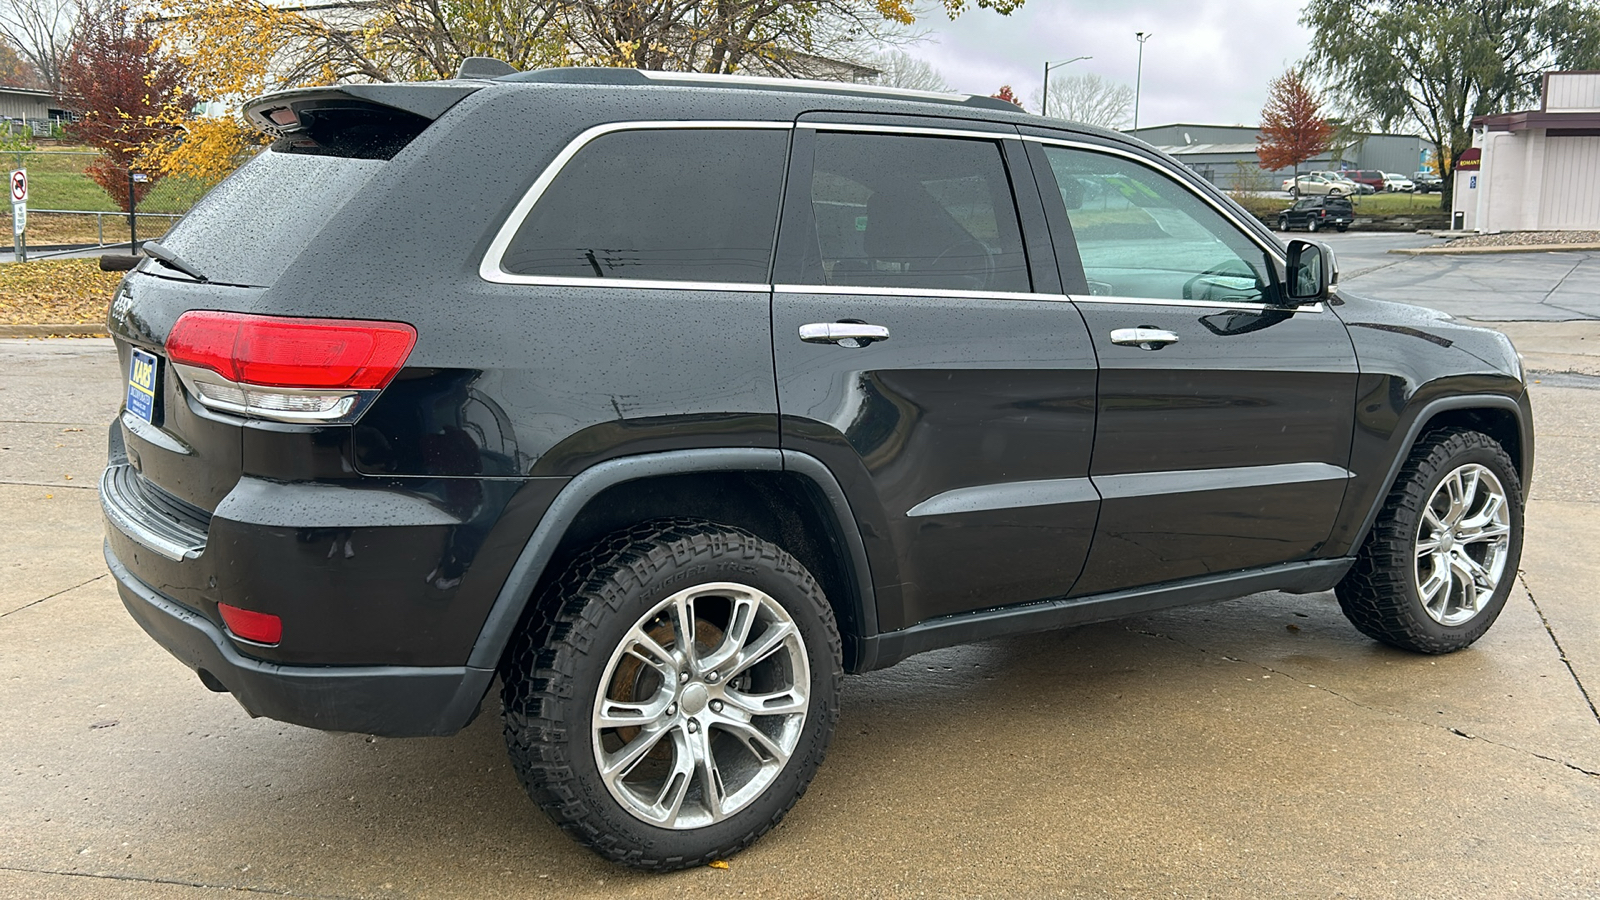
column 1206, row 61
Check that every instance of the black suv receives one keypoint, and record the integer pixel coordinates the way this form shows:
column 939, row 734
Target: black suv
column 670, row 399
column 1314, row 213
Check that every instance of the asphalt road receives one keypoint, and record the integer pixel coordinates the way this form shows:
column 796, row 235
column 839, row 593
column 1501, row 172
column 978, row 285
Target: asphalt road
column 1255, row 748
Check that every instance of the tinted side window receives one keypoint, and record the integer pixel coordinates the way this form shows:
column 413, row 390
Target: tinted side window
column 1141, row 234
column 677, row 205
column 913, row 212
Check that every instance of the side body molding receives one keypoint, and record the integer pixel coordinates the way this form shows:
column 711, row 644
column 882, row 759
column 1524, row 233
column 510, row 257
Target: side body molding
column 530, row 565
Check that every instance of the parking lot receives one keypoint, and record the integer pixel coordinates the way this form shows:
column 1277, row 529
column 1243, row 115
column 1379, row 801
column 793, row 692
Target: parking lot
column 1255, row 748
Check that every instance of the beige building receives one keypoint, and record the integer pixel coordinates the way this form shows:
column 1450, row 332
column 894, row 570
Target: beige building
column 1537, row 170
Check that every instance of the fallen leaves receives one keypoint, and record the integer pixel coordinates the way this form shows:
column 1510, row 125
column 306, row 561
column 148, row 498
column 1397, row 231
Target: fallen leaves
column 55, row 292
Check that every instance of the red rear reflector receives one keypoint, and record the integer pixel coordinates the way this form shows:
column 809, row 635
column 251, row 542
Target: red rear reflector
column 282, row 115
column 263, row 628
column 278, row 351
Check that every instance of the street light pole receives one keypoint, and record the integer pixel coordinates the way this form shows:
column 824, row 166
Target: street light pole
column 1138, row 79
column 1044, row 105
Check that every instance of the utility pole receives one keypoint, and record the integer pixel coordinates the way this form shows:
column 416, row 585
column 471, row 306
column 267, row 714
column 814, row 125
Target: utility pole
column 1044, row 104
column 1138, row 80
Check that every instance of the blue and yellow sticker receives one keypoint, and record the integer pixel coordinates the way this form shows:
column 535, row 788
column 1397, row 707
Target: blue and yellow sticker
column 142, row 385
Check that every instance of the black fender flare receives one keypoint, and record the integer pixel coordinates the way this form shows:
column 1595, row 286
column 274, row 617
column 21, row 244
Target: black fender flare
column 1418, row 422
column 517, row 591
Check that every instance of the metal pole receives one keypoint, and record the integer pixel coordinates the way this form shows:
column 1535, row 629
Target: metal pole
column 1138, row 79
column 133, row 217
column 1044, row 107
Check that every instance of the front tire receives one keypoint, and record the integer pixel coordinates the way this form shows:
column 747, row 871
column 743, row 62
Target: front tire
column 680, row 697
column 1442, row 557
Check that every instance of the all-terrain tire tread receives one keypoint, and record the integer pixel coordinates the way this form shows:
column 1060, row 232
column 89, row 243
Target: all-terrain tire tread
column 538, row 668
column 1374, row 594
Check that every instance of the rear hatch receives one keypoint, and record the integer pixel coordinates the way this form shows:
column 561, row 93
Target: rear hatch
column 172, row 458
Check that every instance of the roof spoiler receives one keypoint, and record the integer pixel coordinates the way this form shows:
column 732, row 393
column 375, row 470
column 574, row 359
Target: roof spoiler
column 286, row 112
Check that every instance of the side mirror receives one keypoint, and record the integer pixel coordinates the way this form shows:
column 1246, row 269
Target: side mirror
column 1313, row 272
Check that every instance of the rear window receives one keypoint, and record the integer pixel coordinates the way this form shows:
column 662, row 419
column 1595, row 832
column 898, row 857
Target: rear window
column 253, row 225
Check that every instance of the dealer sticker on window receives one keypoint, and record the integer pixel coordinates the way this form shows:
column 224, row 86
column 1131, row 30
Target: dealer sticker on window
column 142, row 385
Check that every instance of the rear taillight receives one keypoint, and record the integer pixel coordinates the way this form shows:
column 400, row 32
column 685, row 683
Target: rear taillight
column 287, row 369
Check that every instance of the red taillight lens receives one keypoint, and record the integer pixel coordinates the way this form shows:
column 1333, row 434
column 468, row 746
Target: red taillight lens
column 263, row 628
column 277, row 351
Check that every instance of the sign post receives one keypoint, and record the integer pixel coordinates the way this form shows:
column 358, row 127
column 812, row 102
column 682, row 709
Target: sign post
column 134, row 178
column 19, row 213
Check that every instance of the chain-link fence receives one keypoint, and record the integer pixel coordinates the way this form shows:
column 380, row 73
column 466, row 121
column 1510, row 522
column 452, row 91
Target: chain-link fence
column 67, row 207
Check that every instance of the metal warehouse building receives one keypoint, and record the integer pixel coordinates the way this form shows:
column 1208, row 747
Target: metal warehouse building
column 1537, row 170
column 1225, row 155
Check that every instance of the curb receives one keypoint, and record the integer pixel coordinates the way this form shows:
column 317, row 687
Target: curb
column 94, row 329
column 1510, row 248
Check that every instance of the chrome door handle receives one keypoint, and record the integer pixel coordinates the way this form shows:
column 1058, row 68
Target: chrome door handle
column 1144, row 338
column 845, row 334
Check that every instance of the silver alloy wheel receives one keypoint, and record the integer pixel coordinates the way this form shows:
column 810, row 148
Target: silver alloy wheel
column 701, row 705
column 1462, row 540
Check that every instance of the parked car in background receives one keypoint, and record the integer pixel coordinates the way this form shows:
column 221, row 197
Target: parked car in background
column 1316, row 185
column 1355, row 187
column 1394, row 183
column 1427, row 182
column 1372, row 178
column 1317, row 213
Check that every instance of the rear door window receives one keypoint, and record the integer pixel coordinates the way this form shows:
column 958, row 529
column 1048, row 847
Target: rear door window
column 901, row 211
column 690, row 204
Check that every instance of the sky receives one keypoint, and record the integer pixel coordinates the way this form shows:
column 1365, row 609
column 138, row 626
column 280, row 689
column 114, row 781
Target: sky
column 1206, row 61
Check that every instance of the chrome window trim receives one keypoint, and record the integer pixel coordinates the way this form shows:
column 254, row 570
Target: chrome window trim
column 870, row 291
column 916, row 130
column 1271, row 250
column 1197, row 304
column 491, row 270
column 642, row 284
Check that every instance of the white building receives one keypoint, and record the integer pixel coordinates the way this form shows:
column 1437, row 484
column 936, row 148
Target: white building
column 1537, row 170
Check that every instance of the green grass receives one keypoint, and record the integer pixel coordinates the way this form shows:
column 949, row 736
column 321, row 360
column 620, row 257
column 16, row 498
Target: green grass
column 1369, row 205
column 56, row 180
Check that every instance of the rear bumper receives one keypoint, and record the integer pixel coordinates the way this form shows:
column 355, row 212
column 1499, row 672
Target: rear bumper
column 391, row 701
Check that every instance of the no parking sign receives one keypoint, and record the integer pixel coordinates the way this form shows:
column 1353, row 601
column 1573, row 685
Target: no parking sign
column 19, row 210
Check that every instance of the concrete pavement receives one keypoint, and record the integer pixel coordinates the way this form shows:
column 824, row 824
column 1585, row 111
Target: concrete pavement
column 1255, row 748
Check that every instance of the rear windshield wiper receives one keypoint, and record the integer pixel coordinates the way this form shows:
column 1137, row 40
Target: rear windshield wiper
column 160, row 252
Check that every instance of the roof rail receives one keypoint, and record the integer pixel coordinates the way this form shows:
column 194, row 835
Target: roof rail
column 599, row 75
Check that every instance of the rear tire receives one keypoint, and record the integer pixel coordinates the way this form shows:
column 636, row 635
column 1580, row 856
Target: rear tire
column 707, row 742
column 1311, row 226
column 1442, row 556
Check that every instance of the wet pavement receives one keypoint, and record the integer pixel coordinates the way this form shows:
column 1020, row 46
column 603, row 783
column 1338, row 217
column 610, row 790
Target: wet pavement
column 1255, row 748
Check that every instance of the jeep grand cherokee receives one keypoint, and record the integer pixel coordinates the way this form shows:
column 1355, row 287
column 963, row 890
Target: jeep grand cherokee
column 669, row 399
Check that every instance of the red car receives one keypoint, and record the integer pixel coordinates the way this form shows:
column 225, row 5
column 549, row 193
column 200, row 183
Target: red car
column 1369, row 177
